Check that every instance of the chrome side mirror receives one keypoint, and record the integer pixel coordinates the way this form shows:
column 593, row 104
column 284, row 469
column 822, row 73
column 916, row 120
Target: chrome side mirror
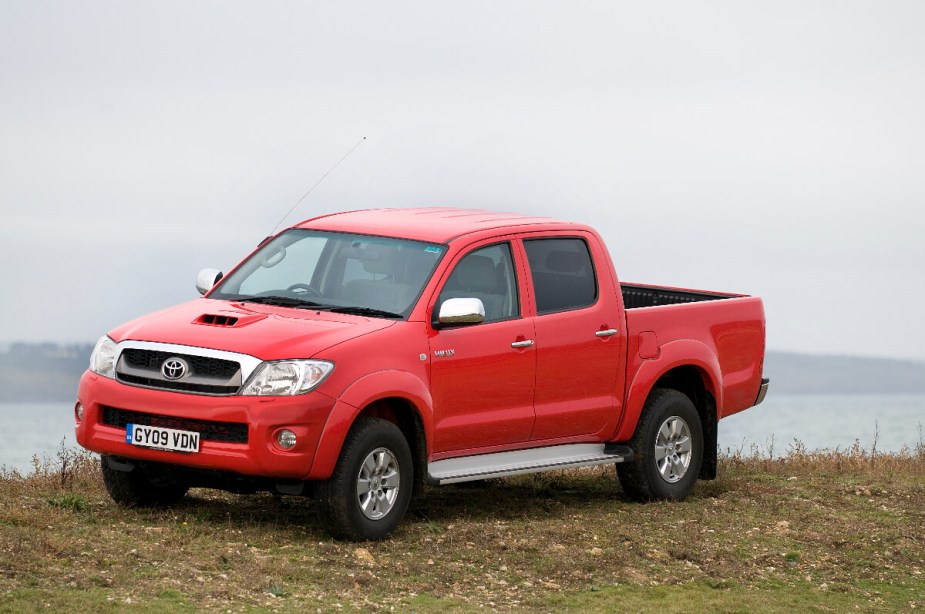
column 461, row 311
column 207, row 278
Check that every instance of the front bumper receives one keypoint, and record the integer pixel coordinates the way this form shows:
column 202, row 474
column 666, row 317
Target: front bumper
column 305, row 415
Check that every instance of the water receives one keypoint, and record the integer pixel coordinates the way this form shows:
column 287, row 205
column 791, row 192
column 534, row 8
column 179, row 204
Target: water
column 828, row 422
column 818, row 421
column 29, row 429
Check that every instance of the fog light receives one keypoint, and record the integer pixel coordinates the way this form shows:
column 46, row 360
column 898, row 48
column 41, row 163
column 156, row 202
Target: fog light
column 79, row 413
column 286, row 439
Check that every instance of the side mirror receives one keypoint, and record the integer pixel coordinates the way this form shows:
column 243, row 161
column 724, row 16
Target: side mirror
column 207, row 278
column 461, row 311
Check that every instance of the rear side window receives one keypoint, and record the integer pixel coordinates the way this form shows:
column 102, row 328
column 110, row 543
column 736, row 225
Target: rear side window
column 563, row 275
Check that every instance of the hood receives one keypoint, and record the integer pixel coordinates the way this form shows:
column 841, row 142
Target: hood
column 264, row 331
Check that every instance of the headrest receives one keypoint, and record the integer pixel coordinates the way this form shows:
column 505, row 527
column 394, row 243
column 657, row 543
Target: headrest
column 476, row 272
column 380, row 260
column 566, row 262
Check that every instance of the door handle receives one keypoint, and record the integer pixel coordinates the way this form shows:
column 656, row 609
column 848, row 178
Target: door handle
column 610, row 332
column 522, row 344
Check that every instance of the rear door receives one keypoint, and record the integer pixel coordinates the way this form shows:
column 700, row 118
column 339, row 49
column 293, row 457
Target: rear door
column 580, row 342
column 482, row 375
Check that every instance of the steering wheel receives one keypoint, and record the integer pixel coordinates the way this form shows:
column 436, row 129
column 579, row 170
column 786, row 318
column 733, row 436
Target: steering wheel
column 303, row 289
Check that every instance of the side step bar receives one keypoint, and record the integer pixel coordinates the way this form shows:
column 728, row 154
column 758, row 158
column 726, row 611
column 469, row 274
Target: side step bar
column 486, row 466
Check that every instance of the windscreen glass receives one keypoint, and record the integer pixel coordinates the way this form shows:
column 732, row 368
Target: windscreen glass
column 335, row 271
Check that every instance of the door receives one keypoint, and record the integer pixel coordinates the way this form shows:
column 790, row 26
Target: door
column 579, row 341
column 482, row 375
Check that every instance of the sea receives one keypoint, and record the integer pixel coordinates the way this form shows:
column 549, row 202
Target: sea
column 885, row 423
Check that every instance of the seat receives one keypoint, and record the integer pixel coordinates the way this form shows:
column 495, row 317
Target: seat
column 566, row 284
column 475, row 277
column 384, row 293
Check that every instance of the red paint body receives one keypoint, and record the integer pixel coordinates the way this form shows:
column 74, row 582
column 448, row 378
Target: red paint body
column 570, row 386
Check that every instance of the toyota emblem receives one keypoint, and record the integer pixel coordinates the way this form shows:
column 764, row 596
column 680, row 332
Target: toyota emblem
column 174, row 368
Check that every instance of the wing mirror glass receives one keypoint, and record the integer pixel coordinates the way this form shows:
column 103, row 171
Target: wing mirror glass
column 461, row 311
column 207, row 278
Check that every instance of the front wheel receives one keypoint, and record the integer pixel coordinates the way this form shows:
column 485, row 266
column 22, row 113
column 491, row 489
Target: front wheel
column 369, row 491
column 667, row 449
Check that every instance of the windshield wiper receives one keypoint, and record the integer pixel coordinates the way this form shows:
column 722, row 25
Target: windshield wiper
column 365, row 311
column 287, row 301
column 282, row 301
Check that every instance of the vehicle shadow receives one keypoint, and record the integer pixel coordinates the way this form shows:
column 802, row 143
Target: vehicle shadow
column 531, row 497
column 523, row 497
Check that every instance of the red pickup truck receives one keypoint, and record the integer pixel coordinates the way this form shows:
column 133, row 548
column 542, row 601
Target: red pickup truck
column 359, row 356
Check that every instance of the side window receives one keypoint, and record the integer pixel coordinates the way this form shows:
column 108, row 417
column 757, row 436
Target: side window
column 563, row 275
column 486, row 274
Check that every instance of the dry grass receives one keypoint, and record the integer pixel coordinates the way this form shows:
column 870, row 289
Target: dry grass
column 828, row 531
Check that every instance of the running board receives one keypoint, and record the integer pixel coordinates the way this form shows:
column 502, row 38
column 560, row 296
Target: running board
column 501, row 464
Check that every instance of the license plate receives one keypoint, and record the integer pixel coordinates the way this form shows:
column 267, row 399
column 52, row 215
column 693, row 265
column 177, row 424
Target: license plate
column 161, row 438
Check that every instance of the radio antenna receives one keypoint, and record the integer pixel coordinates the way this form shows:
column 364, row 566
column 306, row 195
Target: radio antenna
column 312, row 189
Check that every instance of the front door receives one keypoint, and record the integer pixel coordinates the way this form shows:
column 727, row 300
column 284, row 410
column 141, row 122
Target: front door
column 482, row 375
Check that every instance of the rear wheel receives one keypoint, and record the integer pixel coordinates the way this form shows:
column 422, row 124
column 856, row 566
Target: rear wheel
column 370, row 489
column 133, row 486
column 667, row 449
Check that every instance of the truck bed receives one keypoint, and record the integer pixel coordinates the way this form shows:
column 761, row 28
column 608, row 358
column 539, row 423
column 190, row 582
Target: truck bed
column 729, row 326
column 638, row 295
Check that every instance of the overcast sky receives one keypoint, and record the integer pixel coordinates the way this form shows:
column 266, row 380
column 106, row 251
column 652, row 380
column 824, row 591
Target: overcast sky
column 773, row 148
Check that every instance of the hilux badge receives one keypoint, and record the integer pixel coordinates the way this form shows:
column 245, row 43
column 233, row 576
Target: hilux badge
column 174, row 368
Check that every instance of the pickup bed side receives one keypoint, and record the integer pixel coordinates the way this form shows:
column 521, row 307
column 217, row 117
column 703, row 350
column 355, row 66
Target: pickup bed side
column 722, row 337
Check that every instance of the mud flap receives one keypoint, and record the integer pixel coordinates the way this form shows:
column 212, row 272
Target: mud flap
column 710, row 445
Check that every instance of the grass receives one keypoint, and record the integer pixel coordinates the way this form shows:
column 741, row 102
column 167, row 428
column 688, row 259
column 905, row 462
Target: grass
column 820, row 532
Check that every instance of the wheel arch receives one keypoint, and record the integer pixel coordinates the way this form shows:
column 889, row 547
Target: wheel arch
column 402, row 413
column 692, row 368
column 689, row 381
column 396, row 396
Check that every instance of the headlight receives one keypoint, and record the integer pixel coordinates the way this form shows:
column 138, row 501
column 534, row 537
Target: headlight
column 287, row 377
column 103, row 358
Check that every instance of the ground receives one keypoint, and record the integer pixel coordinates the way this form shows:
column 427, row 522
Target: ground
column 825, row 532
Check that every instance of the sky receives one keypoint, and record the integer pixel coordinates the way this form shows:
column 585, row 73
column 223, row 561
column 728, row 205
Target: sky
column 771, row 147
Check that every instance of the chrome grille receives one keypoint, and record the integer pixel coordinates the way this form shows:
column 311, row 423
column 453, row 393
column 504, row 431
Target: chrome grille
column 199, row 365
column 149, row 382
column 206, row 374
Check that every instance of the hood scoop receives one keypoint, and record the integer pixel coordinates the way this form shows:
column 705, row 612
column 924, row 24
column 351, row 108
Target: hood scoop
column 228, row 320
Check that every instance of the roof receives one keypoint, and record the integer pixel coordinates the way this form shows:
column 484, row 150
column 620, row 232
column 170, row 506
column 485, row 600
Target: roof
column 434, row 224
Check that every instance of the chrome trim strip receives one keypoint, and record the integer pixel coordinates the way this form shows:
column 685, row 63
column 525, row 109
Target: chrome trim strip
column 522, row 344
column 610, row 332
column 763, row 391
column 248, row 363
column 485, row 466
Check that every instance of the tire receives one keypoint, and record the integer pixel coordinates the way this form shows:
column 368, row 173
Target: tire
column 370, row 489
column 667, row 449
column 136, row 488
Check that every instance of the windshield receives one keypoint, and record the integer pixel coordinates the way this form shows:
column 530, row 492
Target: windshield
column 377, row 276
